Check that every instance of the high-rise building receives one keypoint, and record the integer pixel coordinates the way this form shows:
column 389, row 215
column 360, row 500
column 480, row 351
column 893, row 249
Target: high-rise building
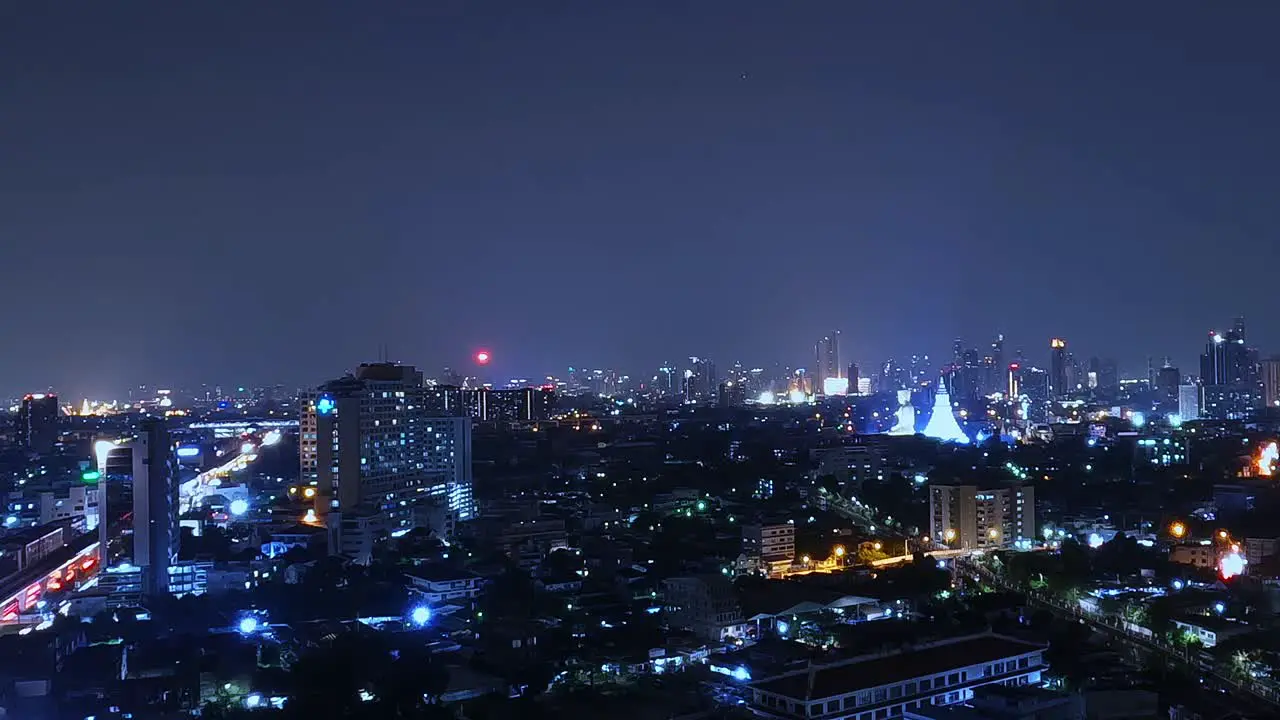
column 155, row 506
column 1189, row 401
column 826, row 361
column 375, row 448
column 1271, row 382
column 37, row 426
column 973, row 517
column 854, row 377
column 1059, row 382
column 1168, row 380
column 1229, row 376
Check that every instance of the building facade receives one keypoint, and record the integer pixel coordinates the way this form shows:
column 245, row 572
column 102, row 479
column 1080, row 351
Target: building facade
column 972, row 517
column 877, row 687
column 374, row 445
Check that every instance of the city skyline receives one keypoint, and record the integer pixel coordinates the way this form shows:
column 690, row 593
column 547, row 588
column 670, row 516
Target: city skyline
column 275, row 193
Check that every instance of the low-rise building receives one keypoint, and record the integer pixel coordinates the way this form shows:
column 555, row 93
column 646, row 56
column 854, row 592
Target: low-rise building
column 439, row 584
column 875, row 687
column 707, row 605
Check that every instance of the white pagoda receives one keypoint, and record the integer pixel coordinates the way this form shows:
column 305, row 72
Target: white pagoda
column 942, row 423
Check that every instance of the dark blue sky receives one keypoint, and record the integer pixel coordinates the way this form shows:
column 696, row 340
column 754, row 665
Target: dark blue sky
column 259, row 191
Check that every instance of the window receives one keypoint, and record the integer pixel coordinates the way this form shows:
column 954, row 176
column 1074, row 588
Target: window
column 864, row 697
column 911, row 688
column 880, row 695
column 925, row 684
column 895, row 692
column 953, row 679
column 833, row 706
column 882, row 713
column 1022, row 663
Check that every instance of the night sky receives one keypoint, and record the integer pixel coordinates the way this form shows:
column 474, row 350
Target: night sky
column 244, row 192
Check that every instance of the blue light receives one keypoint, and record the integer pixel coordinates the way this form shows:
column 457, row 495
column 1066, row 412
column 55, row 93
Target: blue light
column 248, row 625
column 10, row 521
column 1219, row 607
column 239, row 506
column 420, row 616
column 1138, row 419
column 1177, row 585
column 741, row 674
column 783, row 627
column 188, row 451
column 325, row 405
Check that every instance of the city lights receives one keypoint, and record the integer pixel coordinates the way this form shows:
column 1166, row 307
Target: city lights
column 1178, row 529
column 482, row 357
column 248, row 625
column 420, row 616
column 1231, row 564
column 239, row 506
column 1267, row 457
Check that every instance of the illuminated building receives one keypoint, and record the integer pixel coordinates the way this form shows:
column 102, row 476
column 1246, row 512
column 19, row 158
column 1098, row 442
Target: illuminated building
column 1059, row 382
column 970, row 517
column 1231, row 389
column 732, row 394
column 374, row 451
column 37, row 425
column 155, row 506
column 1189, row 402
column 826, row 361
column 942, row 423
column 1012, row 380
column 1271, row 382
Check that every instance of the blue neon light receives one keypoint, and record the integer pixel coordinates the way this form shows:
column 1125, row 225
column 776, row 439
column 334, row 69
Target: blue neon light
column 325, row 405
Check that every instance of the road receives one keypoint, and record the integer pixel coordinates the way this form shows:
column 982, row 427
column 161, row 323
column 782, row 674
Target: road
column 1112, row 626
column 22, row 591
column 191, row 494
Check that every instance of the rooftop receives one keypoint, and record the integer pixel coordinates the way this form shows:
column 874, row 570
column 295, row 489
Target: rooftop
column 869, row 672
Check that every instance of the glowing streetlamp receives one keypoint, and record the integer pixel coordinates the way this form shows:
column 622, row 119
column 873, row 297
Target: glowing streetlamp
column 877, row 545
column 839, row 551
column 1178, row 529
column 949, row 535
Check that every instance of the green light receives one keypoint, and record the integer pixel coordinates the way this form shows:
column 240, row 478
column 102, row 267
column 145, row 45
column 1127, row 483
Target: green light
column 702, row 506
column 90, row 476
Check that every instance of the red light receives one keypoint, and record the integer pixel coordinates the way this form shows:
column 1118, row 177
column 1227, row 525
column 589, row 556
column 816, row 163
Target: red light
column 55, row 585
column 1013, row 366
column 482, row 357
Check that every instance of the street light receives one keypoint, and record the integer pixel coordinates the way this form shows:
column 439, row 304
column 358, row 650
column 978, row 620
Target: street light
column 839, row 551
column 1178, row 529
column 949, row 535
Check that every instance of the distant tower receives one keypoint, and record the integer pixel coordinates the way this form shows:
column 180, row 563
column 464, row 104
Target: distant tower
column 1058, row 383
column 826, row 361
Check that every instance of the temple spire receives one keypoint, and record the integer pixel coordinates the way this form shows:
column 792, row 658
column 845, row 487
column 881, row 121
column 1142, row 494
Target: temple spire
column 942, row 423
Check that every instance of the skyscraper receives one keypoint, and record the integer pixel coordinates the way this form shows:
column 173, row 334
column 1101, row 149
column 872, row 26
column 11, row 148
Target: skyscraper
column 1058, row 370
column 1228, row 375
column 1271, row 382
column 372, row 448
column 155, row 506
column 37, row 424
column 826, row 361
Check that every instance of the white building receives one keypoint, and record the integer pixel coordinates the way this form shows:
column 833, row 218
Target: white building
column 439, row 586
column 1189, row 402
column 773, row 544
column 874, row 687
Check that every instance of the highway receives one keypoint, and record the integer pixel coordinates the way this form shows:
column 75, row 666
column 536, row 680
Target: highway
column 65, row 569
column 191, row 494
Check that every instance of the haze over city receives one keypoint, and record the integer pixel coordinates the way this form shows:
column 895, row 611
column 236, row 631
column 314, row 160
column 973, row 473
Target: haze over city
column 247, row 193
